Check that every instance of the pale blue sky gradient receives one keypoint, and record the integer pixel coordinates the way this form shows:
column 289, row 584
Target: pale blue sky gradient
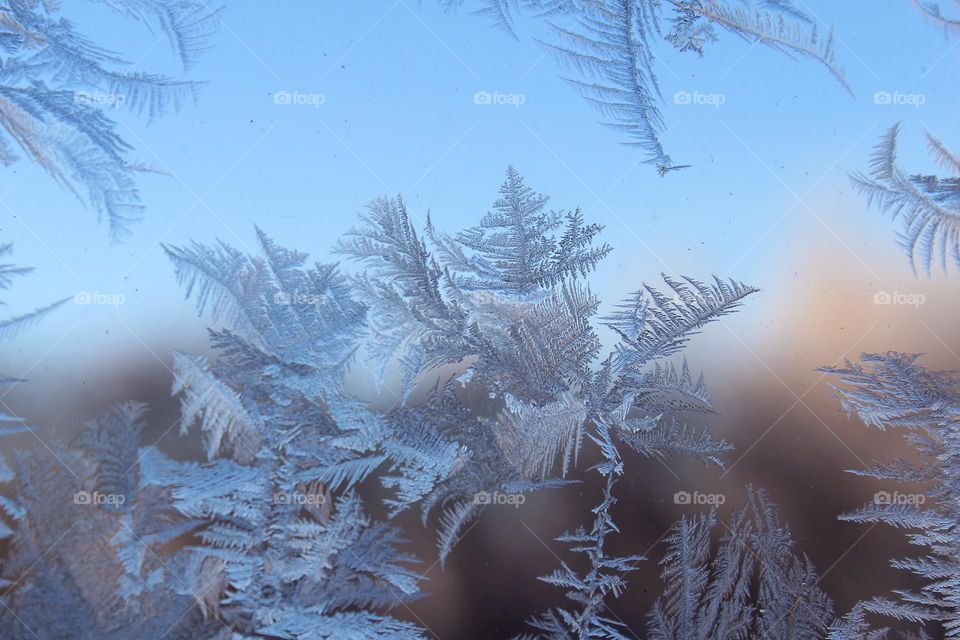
column 397, row 81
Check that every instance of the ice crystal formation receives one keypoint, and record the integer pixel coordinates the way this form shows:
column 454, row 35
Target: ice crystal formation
column 606, row 576
column 57, row 87
column 755, row 586
column 489, row 378
column 891, row 391
column 934, row 12
column 268, row 537
column 508, row 299
column 10, row 327
column 609, row 48
column 928, row 205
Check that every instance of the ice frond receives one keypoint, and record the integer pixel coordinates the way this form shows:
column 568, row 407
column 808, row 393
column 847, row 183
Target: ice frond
column 854, row 626
column 298, row 321
column 89, row 558
column 445, row 456
column 933, row 12
column 507, row 300
column 11, row 327
column 769, row 27
column 514, row 245
column 786, row 7
column 113, row 440
column 911, row 608
column 422, row 451
column 947, row 159
column 653, row 325
column 790, row 601
column 666, row 390
column 453, row 526
column 929, row 205
column 555, row 7
column 611, row 48
column 754, row 586
column 704, row 597
column 187, row 24
column 57, row 88
column 388, row 244
column 82, row 158
column 216, row 407
column 235, row 494
column 314, row 624
column 605, row 578
column 507, row 290
column 218, row 275
column 403, row 287
column 553, row 343
column 892, row 391
column 338, row 559
column 286, row 549
column 501, row 14
column 575, row 254
column 664, row 439
column 690, row 30
column 531, row 437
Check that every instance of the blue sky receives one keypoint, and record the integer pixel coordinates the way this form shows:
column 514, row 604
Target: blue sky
column 386, row 105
